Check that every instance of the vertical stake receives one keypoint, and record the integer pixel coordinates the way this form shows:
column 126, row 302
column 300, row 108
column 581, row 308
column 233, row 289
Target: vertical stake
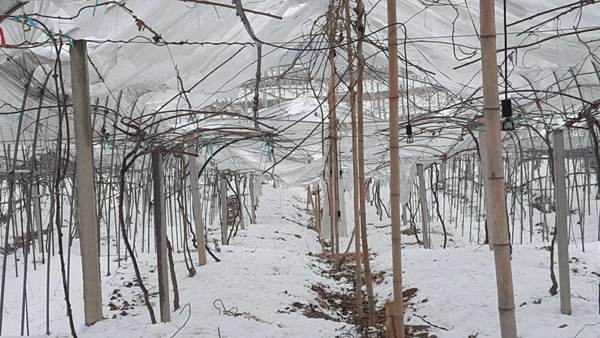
column 160, row 234
column 224, row 208
column 483, row 150
column 333, row 192
column 197, row 209
column 395, row 169
column 497, row 222
column 240, row 200
column 562, row 235
column 424, row 208
column 252, row 200
column 84, row 177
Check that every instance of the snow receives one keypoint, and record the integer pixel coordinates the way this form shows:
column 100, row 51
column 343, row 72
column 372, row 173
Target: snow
column 267, row 268
column 457, row 290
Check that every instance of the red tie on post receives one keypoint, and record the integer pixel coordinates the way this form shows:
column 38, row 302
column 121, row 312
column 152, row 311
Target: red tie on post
column 2, row 39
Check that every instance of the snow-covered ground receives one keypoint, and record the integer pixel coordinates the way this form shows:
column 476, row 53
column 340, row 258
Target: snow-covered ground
column 457, row 289
column 267, row 268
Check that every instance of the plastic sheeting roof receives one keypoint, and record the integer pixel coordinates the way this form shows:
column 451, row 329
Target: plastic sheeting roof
column 442, row 35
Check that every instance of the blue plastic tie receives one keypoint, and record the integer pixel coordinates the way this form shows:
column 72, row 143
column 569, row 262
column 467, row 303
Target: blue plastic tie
column 95, row 6
column 68, row 38
column 30, row 22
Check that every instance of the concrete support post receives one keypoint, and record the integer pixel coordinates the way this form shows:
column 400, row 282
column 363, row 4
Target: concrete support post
column 423, row 206
column 318, row 213
column 240, row 200
column 224, row 209
column 84, row 179
column 213, row 198
column 326, row 233
column 197, row 209
column 343, row 218
column 562, row 212
column 160, row 236
column 252, row 200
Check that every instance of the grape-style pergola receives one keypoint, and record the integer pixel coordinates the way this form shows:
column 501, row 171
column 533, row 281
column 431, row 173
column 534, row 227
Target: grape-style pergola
column 131, row 126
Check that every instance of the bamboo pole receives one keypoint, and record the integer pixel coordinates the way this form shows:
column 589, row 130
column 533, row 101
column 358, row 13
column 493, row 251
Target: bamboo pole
column 389, row 320
column 486, row 195
column 497, row 215
column 355, row 172
column 562, row 212
column 360, row 30
column 333, row 158
column 84, row 176
column 395, row 168
column 479, row 198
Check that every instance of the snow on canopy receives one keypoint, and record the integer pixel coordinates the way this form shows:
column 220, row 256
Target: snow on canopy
column 150, row 50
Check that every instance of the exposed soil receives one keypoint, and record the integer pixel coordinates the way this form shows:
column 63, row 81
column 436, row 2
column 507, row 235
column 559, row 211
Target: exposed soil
column 339, row 304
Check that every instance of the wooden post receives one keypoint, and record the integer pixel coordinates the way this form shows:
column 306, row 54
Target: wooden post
column 197, row 209
column 395, row 168
column 424, row 211
column 497, row 221
column 84, row 177
column 160, row 236
column 224, row 209
column 562, row 212
column 333, row 190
